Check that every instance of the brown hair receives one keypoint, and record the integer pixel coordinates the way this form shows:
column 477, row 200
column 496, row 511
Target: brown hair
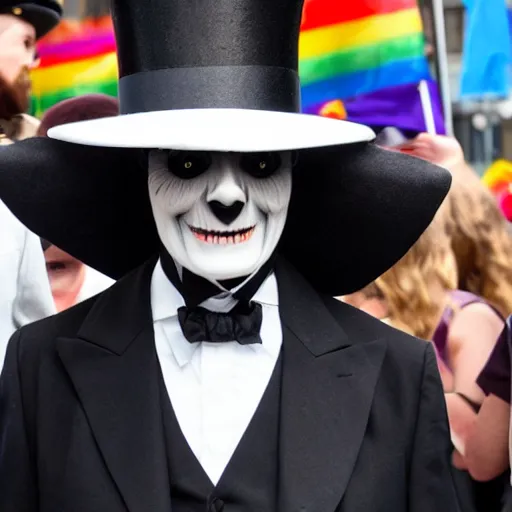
column 81, row 108
column 481, row 241
column 409, row 286
column 14, row 99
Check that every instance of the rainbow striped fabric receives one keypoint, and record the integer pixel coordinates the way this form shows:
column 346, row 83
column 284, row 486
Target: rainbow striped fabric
column 359, row 60
column 358, row 47
column 76, row 58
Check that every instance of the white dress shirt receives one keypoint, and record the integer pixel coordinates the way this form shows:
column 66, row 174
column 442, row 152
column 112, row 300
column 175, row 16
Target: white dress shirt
column 214, row 388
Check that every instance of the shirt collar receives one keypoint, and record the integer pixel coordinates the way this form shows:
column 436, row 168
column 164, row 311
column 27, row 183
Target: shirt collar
column 166, row 300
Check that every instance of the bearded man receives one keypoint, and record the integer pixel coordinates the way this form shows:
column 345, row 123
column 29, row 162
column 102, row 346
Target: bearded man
column 17, row 58
column 21, row 25
column 24, row 293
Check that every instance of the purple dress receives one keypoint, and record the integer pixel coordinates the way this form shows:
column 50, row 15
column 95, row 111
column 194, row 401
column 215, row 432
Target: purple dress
column 460, row 299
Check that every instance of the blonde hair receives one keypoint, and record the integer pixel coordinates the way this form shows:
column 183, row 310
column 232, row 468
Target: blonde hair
column 481, row 241
column 413, row 288
column 470, row 230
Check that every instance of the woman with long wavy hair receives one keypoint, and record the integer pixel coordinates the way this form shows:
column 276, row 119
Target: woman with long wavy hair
column 416, row 290
column 481, row 241
column 480, row 235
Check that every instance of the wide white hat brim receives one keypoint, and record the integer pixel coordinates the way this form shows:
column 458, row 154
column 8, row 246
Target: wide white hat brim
column 233, row 130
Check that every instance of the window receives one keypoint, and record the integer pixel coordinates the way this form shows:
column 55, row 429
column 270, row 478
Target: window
column 454, row 24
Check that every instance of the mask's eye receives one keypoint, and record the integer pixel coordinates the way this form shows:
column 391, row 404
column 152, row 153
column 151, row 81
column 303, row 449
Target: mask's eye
column 188, row 164
column 260, row 165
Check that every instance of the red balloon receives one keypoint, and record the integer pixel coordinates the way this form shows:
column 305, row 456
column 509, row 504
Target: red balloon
column 505, row 202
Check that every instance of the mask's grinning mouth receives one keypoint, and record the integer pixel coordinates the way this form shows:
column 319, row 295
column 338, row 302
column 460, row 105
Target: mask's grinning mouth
column 223, row 237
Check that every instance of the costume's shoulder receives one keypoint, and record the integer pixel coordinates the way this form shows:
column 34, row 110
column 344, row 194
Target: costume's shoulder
column 40, row 336
column 362, row 327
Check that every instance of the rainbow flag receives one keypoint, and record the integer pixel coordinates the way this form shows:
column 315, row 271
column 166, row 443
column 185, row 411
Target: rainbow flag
column 359, row 60
column 354, row 48
column 78, row 57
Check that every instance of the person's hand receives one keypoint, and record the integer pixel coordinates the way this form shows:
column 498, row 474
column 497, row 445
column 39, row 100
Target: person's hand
column 437, row 149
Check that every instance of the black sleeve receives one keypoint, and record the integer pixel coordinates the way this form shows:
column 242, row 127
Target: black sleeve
column 431, row 486
column 17, row 481
column 495, row 376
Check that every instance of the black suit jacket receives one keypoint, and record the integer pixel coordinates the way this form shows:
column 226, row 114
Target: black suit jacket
column 363, row 420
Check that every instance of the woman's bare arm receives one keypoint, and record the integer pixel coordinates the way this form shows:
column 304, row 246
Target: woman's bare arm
column 472, row 335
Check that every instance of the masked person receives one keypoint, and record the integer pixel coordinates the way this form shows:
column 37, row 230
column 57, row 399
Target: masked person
column 24, row 291
column 219, row 374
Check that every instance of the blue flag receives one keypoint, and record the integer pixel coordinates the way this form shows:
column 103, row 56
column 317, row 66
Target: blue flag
column 487, row 51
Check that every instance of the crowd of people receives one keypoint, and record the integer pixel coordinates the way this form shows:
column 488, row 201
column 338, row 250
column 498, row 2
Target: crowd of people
column 33, row 286
column 452, row 288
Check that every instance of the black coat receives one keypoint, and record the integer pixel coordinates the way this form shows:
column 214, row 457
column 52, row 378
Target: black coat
column 363, row 420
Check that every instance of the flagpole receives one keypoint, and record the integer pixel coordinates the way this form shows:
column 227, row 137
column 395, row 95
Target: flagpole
column 426, row 107
column 443, row 77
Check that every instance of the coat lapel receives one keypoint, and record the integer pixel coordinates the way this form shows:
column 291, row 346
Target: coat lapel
column 114, row 368
column 329, row 378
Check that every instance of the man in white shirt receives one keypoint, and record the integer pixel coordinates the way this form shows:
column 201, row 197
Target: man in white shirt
column 220, row 375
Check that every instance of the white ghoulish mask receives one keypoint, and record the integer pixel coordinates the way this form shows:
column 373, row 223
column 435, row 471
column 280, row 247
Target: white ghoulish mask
column 220, row 215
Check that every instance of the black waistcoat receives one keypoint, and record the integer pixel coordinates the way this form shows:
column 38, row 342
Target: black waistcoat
column 249, row 482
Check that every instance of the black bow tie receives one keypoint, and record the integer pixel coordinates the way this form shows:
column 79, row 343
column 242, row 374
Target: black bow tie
column 241, row 324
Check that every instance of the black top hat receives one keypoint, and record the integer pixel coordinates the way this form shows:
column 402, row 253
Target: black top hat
column 42, row 14
column 210, row 69
column 210, row 54
column 220, row 75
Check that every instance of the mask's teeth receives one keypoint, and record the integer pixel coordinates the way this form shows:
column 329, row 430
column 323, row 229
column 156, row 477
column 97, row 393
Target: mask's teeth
column 219, row 238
